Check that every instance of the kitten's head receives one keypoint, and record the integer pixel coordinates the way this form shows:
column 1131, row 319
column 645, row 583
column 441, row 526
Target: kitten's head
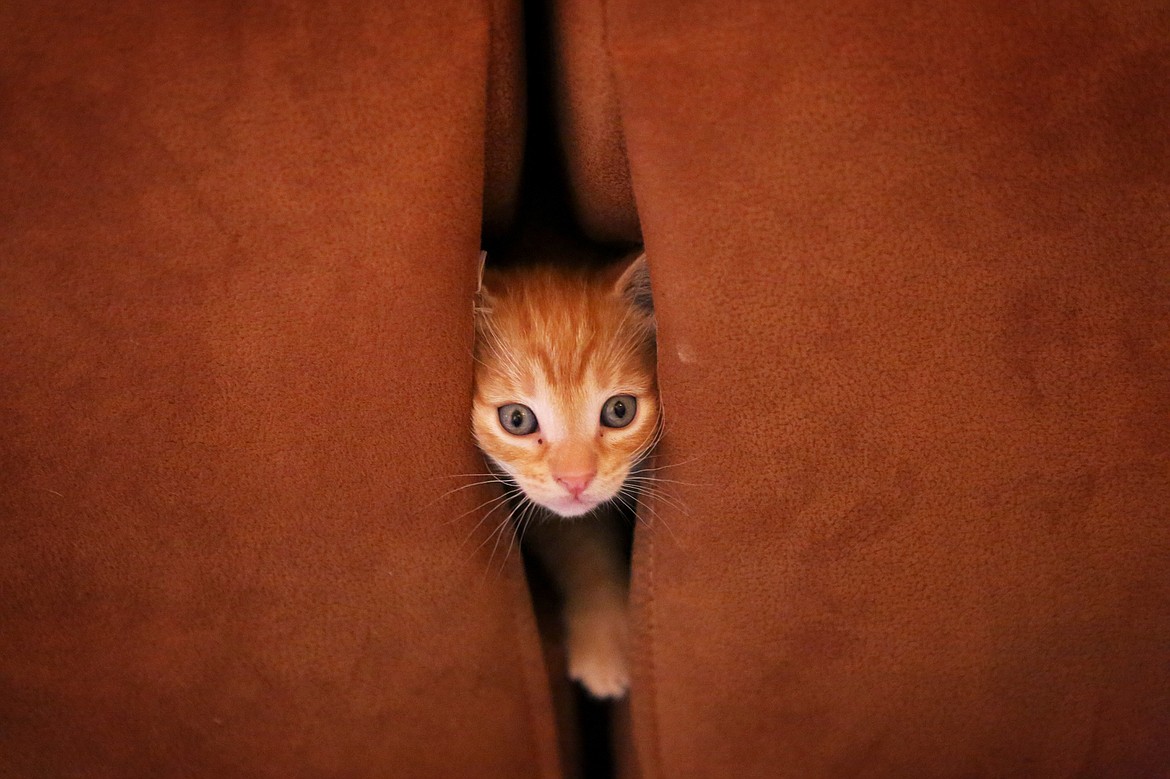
column 566, row 396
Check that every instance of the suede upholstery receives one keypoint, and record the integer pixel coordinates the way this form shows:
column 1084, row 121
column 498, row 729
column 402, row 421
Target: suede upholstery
column 237, row 252
column 504, row 124
column 913, row 277
column 911, row 271
column 589, row 122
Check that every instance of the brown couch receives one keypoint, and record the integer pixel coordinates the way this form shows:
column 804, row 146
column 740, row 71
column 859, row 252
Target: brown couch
column 912, row 270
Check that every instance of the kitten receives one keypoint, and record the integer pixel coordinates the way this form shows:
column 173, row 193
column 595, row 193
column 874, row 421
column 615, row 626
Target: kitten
column 566, row 408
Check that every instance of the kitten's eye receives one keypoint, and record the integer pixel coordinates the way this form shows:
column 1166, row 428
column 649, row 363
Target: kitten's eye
column 619, row 411
column 517, row 419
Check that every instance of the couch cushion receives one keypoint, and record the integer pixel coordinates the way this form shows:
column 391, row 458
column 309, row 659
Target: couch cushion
column 912, row 280
column 505, row 121
column 237, row 251
column 589, row 125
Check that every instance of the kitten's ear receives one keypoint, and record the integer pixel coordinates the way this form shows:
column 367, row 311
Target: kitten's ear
column 479, row 272
column 483, row 296
column 634, row 284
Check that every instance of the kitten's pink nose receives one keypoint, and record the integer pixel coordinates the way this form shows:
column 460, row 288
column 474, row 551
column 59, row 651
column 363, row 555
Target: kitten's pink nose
column 575, row 483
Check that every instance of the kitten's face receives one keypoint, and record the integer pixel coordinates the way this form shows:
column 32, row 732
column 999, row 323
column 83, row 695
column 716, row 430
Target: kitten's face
column 566, row 398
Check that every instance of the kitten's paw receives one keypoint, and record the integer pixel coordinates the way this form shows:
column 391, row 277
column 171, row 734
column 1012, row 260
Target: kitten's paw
column 598, row 652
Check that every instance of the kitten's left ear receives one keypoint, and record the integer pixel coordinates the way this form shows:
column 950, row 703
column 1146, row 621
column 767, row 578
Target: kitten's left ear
column 634, row 284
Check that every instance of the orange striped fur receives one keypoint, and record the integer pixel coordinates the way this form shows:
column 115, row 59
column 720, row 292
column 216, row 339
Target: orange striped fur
column 562, row 342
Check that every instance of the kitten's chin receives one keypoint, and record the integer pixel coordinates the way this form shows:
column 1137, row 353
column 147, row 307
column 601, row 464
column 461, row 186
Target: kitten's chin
column 570, row 507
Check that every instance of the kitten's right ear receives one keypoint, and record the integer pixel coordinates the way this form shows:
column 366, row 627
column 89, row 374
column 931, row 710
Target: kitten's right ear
column 479, row 272
column 483, row 296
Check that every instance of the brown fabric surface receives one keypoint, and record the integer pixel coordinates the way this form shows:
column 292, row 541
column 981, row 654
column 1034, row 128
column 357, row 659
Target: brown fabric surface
column 912, row 279
column 589, row 123
column 505, row 120
column 237, row 248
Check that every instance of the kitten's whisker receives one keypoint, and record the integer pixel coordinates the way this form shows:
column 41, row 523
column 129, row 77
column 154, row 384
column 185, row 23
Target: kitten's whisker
column 642, row 454
column 459, row 476
column 635, row 476
column 498, row 534
column 469, row 485
column 489, row 536
column 659, row 493
column 643, row 511
column 534, row 517
column 659, row 518
column 468, row 537
column 498, row 501
column 655, row 439
column 631, row 504
column 638, row 506
column 450, row 492
column 668, row 465
column 518, row 528
column 672, row 501
column 516, row 525
column 506, row 491
column 497, row 528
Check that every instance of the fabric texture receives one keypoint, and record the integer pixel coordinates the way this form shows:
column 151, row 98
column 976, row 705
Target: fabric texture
column 914, row 300
column 237, row 251
column 911, row 271
column 589, row 127
column 505, row 128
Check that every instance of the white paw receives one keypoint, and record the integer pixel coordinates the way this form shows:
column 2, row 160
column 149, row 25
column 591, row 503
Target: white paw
column 598, row 652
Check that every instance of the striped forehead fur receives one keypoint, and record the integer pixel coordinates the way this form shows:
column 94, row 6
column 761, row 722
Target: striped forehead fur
column 559, row 325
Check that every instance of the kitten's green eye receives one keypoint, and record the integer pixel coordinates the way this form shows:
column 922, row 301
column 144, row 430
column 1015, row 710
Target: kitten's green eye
column 517, row 419
column 619, row 411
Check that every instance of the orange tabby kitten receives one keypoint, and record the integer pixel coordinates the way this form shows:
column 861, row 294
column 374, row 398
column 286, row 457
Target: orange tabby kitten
column 566, row 408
